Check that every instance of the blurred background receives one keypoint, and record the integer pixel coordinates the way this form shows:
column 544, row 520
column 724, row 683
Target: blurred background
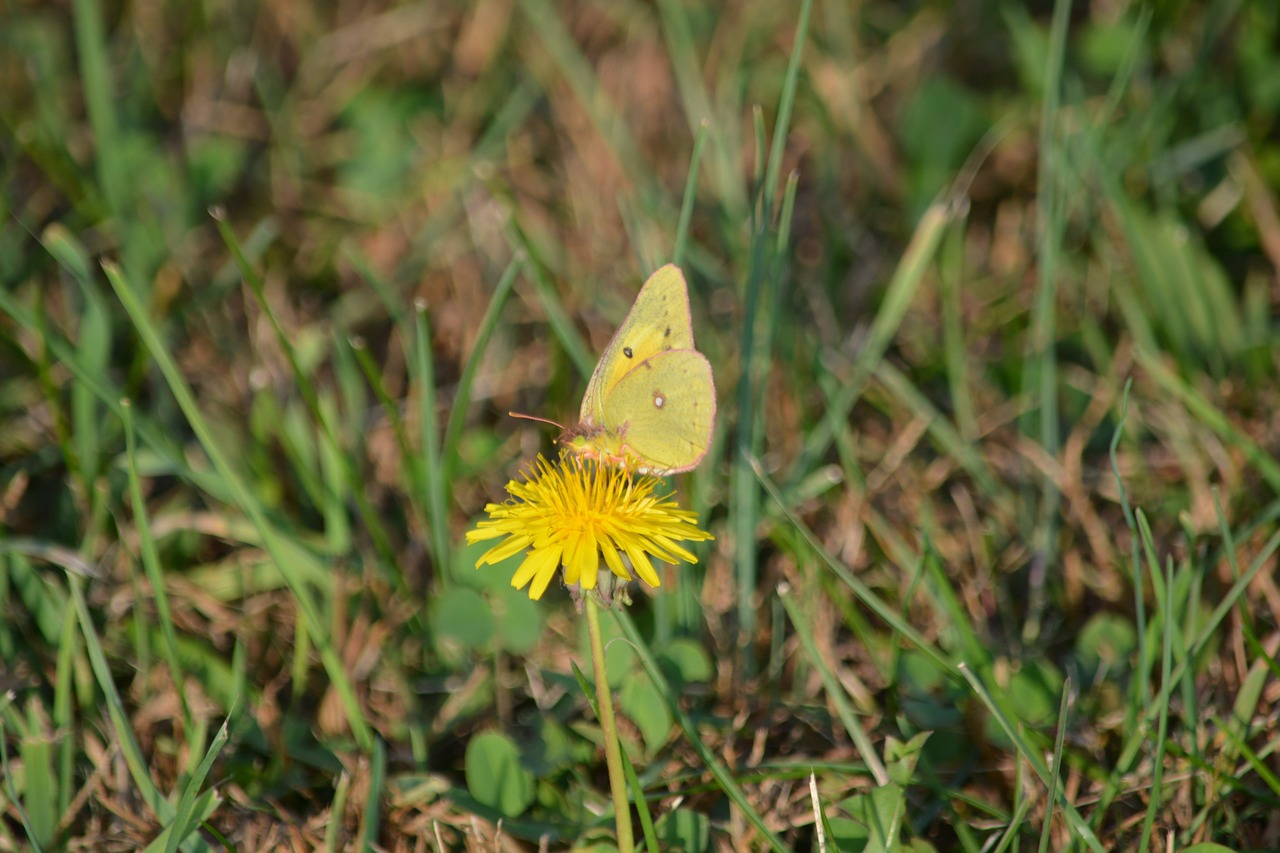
column 990, row 292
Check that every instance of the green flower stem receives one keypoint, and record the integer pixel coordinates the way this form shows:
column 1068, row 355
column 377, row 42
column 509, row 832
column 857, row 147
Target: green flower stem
column 612, row 752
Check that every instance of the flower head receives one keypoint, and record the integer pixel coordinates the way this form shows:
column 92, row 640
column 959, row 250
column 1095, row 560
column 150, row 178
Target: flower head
column 573, row 513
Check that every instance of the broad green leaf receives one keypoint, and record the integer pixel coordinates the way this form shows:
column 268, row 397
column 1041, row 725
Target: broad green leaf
column 645, row 707
column 461, row 616
column 495, row 775
column 683, row 830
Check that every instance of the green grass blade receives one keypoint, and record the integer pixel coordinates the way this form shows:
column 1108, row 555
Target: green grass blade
column 434, row 476
column 488, row 323
column 1255, row 761
column 1055, row 768
column 690, row 195
column 744, row 502
column 93, row 348
column 133, row 756
column 247, row 503
column 14, row 800
column 96, row 80
column 861, row 591
column 642, row 804
column 1162, row 729
column 205, row 805
column 415, row 485
column 782, row 126
column 339, row 806
column 306, row 387
column 184, row 821
column 373, row 797
column 64, row 713
column 718, row 770
column 951, row 272
column 699, row 109
column 835, row 691
column 1041, row 371
column 151, row 563
column 902, row 289
column 1032, row 756
column 1210, row 415
column 561, row 324
column 39, row 795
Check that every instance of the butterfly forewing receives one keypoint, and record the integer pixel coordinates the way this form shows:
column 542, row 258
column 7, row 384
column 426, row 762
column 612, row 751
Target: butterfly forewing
column 658, row 321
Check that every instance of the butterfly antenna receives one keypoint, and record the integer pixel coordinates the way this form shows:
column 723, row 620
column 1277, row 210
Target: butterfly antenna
column 522, row 416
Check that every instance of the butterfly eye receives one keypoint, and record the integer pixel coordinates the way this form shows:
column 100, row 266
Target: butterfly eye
column 628, row 353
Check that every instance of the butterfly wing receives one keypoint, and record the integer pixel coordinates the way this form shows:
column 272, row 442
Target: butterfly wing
column 664, row 410
column 658, row 321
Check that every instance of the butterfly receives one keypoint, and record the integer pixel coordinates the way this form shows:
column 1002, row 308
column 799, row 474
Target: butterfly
column 651, row 401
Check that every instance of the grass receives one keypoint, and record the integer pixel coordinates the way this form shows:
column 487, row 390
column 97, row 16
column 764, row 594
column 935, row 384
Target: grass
column 990, row 300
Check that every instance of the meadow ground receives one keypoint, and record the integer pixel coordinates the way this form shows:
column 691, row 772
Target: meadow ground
column 990, row 292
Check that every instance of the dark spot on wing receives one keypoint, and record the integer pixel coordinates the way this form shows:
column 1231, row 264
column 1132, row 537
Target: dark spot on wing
column 628, row 353
column 666, row 333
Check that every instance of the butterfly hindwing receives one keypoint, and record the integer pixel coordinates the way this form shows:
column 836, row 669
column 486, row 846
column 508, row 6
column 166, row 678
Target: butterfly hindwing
column 665, row 410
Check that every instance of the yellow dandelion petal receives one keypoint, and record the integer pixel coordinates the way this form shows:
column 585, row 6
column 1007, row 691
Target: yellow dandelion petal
column 613, row 560
column 503, row 550
column 483, row 531
column 577, row 512
column 670, row 551
column 641, row 566
column 539, row 567
column 583, row 564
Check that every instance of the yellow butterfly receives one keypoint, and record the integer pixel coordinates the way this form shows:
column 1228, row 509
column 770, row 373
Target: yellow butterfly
column 651, row 401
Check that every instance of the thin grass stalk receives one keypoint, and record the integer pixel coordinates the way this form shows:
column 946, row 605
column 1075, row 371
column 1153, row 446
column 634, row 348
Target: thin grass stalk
column 902, row 288
column 835, row 691
column 1041, row 376
column 64, row 713
column 133, row 757
column 339, row 806
column 184, row 815
column 434, row 474
column 561, row 324
column 1167, row 628
column 466, row 379
column 1055, row 778
column 690, row 195
column 96, row 80
column 864, row 593
column 377, row 780
column 580, row 75
column 744, row 493
column 151, row 565
column 1031, row 755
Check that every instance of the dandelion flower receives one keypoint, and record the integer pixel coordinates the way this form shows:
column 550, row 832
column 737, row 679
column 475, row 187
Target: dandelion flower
column 573, row 513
